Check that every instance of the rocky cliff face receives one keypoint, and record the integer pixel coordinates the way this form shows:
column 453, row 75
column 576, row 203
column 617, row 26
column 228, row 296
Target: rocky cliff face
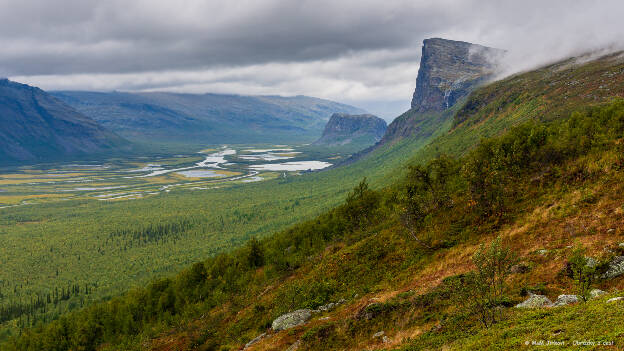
column 344, row 129
column 449, row 70
column 35, row 127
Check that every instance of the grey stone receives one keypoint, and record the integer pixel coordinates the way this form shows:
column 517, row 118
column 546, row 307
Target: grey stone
column 615, row 299
column 615, row 269
column 385, row 339
column 379, row 334
column 590, row 262
column 291, row 320
column 542, row 252
column 621, row 244
column 594, row 293
column 563, row 300
column 255, row 340
column 294, row 346
column 535, row 301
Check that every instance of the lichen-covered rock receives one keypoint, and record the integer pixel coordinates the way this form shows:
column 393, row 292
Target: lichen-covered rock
column 596, row 293
column 616, row 268
column 615, row 299
column 370, row 311
column 563, row 300
column 535, row 301
column 291, row 320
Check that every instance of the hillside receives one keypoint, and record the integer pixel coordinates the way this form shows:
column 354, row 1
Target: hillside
column 342, row 129
column 544, row 188
column 206, row 118
column 36, row 127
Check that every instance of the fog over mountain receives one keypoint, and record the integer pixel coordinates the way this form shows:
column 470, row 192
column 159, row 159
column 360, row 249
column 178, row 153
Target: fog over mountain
column 364, row 53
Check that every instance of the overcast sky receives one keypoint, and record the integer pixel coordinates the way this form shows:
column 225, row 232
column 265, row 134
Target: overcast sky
column 361, row 52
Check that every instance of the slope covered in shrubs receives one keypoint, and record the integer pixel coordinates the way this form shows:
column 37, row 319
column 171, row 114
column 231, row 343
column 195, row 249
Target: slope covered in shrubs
column 391, row 254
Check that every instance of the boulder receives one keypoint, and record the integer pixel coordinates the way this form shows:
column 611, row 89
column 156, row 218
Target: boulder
column 291, row 320
column 615, row 299
column 294, row 346
column 535, row 301
column 594, row 293
column 563, row 300
column 255, row 340
column 615, row 269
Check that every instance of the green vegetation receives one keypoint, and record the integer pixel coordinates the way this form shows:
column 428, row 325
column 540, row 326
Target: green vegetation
column 334, row 256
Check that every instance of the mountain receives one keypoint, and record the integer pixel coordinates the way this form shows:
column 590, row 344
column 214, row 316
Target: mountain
column 344, row 129
column 36, row 127
column 206, row 118
column 534, row 159
column 449, row 71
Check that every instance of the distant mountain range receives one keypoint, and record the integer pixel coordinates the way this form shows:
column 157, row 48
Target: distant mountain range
column 36, row 127
column 206, row 118
column 345, row 129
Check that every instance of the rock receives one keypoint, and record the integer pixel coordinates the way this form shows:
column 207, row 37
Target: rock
column 344, row 128
column 379, row 334
column 519, row 268
column 611, row 231
column 385, row 339
column 542, row 252
column 535, row 301
column 255, row 340
column 621, row 244
column 291, row 320
column 294, row 346
column 615, row 299
column 563, row 300
column 369, row 312
column 616, row 268
column 590, row 262
column 594, row 293
column 328, row 307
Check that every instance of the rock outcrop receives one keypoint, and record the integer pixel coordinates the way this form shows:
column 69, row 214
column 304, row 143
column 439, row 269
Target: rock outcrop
column 344, row 129
column 291, row 320
column 615, row 269
column 449, row 70
column 535, row 301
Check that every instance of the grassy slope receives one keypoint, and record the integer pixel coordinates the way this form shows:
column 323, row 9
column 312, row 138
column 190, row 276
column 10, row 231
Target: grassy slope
column 554, row 219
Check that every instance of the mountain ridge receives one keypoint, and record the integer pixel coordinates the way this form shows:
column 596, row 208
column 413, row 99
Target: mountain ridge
column 37, row 127
column 206, row 118
column 343, row 128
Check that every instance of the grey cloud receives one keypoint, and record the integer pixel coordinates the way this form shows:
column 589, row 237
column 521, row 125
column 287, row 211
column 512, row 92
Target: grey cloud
column 358, row 51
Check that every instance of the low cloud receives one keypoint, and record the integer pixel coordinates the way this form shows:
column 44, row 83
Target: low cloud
column 360, row 52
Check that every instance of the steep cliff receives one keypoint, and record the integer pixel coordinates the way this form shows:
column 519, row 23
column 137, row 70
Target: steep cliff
column 449, row 71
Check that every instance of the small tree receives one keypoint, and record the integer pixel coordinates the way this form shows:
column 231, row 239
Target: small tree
column 483, row 291
column 255, row 253
column 583, row 272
